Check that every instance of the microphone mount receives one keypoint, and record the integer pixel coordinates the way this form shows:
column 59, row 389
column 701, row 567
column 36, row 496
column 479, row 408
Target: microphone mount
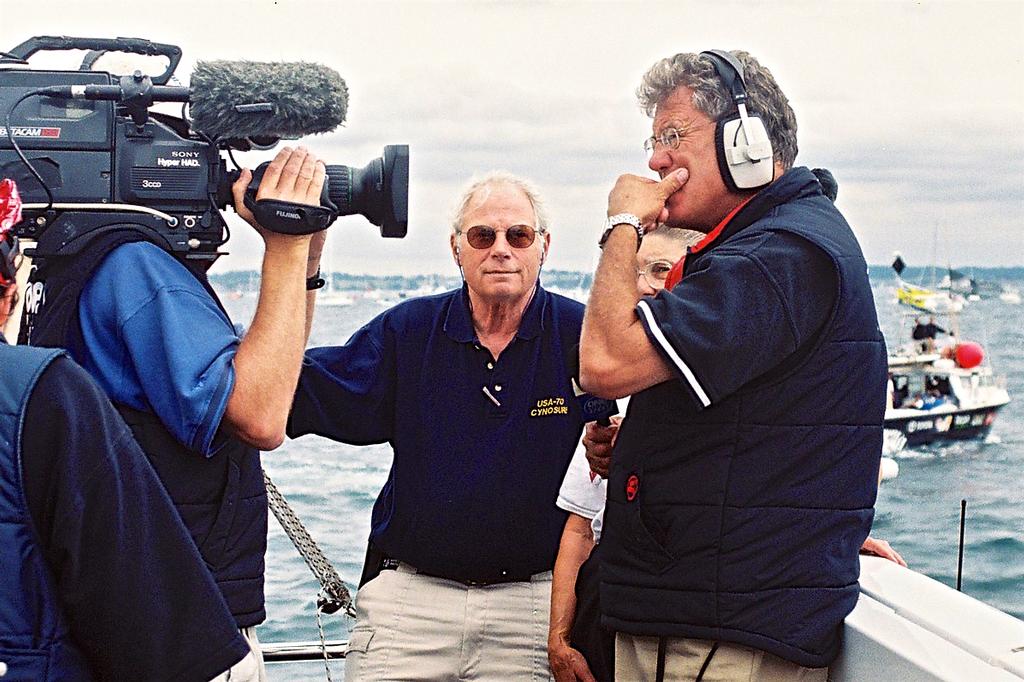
column 137, row 97
column 135, row 93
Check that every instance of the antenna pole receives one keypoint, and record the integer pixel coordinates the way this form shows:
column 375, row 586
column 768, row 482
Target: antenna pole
column 960, row 559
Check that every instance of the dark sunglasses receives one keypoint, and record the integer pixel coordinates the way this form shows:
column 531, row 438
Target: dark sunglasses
column 518, row 236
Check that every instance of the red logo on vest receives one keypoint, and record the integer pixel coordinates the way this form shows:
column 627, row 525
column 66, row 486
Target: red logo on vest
column 632, row 487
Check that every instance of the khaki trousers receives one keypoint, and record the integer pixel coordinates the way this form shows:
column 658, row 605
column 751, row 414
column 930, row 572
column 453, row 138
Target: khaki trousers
column 636, row 660
column 416, row 627
column 250, row 668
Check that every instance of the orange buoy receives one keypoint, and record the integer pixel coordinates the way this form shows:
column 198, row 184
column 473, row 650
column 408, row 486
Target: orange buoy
column 969, row 354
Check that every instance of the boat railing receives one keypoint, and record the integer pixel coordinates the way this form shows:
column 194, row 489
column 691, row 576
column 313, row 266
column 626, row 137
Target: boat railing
column 283, row 652
column 906, row 626
column 910, row 627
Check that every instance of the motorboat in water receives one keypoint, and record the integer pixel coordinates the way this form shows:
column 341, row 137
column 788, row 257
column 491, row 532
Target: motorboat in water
column 1010, row 294
column 944, row 395
column 945, row 298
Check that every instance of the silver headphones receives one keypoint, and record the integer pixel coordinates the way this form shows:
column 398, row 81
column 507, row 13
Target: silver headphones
column 745, row 156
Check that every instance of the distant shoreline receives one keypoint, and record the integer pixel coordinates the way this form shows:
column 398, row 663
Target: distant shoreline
column 246, row 280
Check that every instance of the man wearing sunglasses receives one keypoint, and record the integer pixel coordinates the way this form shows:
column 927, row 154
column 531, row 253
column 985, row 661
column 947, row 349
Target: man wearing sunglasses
column 742, row 482
column 472, row 390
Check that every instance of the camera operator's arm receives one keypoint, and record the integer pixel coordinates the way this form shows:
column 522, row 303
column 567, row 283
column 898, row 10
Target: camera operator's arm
column 269, row 357
column 316, row 247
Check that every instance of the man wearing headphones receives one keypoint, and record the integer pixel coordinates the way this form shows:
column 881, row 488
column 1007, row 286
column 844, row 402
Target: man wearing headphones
column 472, row 390
column 744, row 475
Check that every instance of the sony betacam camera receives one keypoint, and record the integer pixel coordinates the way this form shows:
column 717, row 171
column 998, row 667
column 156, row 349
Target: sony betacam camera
column 87, row 153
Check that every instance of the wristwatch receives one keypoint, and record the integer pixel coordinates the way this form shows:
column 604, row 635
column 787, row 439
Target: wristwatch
column 621, row 219
column 315, row 282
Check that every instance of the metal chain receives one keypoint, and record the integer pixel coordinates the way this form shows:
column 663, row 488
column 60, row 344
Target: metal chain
column 334, row 595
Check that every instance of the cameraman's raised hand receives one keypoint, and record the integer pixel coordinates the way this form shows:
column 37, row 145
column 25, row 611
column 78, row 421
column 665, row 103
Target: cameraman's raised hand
column 295, row 175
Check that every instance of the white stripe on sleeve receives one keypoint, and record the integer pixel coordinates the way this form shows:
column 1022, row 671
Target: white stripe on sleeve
column 659, row 336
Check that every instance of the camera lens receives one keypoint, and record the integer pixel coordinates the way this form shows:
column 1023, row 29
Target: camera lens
column 379, row 191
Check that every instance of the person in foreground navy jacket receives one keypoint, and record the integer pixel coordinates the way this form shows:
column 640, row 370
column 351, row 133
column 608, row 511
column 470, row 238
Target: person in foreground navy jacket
column 91, row 546
column 743, row 479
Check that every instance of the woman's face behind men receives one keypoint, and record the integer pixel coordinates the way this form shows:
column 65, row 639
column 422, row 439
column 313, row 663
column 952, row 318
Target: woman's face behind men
column 657, row 254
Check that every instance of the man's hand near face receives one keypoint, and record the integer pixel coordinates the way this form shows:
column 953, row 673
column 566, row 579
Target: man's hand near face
column 644, row 197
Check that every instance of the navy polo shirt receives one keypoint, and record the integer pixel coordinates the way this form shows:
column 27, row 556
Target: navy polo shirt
column 480, row 445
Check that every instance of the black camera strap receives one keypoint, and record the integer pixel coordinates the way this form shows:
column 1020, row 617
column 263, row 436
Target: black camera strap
column 284, row 216
column 290, row 218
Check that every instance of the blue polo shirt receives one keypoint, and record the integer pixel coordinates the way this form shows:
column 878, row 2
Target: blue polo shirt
column 155, row 340
column 475, row 475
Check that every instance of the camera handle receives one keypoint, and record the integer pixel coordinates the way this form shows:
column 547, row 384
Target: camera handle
column 132, row 45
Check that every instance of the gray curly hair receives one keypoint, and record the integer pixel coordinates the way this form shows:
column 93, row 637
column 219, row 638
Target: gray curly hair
column 711, row 96
column 483, row 184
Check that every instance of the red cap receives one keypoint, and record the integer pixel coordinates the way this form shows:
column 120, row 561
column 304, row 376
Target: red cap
column 10, row 215
column 10, row 206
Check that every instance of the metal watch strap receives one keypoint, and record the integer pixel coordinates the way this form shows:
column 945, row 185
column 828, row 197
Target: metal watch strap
column 622, row 219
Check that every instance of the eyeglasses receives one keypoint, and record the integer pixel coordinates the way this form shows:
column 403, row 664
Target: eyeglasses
column 655, row 273
column 517, row 236
column 670, row 137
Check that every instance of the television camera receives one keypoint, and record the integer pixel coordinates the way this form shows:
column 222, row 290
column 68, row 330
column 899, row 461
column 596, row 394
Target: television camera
column 88, row 154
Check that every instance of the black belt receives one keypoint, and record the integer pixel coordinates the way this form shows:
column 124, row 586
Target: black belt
column 389, row 564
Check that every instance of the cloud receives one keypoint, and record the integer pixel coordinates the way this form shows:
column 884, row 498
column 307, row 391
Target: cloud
column 913, row 105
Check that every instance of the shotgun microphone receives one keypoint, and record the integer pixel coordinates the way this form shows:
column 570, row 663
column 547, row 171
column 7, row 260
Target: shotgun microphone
column 228, row 100
column 285, row 100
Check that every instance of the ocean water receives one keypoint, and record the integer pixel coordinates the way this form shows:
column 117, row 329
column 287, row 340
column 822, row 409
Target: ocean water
column 333, row 486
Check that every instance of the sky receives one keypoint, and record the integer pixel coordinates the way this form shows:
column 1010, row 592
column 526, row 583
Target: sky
column 916, row 107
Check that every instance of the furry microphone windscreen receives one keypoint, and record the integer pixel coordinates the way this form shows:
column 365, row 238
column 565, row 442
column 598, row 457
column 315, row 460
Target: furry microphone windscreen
column 287, row 99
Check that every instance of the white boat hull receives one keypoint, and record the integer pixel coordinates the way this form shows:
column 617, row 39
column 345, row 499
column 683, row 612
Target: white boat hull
column 911, row 628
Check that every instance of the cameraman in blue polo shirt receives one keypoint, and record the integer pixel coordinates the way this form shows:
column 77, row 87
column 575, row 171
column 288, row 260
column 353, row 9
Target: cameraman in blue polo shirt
column 743, row 481
column 472, row 390
column 201, row 401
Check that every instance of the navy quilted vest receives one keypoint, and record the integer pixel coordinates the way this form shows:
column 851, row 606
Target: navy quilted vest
column 34, row 641
column 750, row 513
